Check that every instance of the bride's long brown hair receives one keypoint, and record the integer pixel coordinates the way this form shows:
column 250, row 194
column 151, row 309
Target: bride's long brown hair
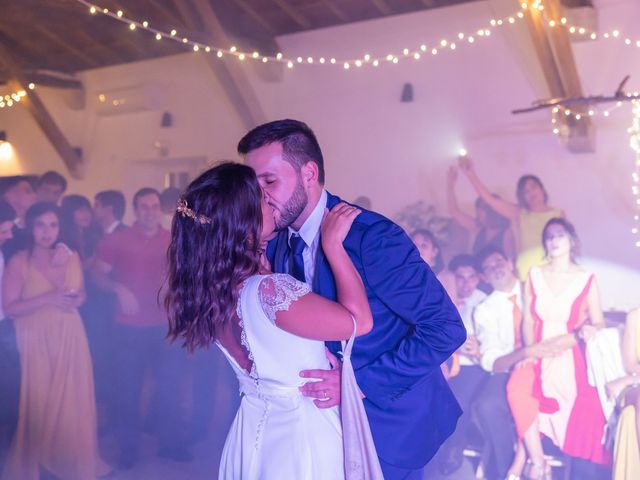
column 213, row 249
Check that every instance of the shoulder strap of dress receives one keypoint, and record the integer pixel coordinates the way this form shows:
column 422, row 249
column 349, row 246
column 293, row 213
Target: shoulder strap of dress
column 348, row 345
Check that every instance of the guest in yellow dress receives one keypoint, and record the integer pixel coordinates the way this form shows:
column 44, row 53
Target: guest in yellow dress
column 528, row 217
column 42, row 289
column 626, row 463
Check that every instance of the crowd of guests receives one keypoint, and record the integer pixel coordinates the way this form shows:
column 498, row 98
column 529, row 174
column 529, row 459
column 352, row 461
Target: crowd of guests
column 531, row 311
column 83, row 351
column 83, row 337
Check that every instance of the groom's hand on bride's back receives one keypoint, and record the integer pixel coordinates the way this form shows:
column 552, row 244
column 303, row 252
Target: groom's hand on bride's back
column 325, row 386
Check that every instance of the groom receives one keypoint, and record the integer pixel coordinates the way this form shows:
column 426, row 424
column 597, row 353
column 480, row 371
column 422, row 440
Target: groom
column 416, row 327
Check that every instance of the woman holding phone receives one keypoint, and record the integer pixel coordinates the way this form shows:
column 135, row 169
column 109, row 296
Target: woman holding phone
column 42, row 290
column 528, row 216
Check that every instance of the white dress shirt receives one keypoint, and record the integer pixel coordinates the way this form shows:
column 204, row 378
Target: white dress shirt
column 310, row 233
column 466, row 307
column 494, row 325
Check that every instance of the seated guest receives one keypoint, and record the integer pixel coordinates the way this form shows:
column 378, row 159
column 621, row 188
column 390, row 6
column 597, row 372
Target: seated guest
column 108, row 211
column 498, row 330
column 9, row 358
column 50, row 187
column 626, row 462
column 553, row 396
column 17, row 192
column 431, row 253
column 56, row 431
column 470, row 377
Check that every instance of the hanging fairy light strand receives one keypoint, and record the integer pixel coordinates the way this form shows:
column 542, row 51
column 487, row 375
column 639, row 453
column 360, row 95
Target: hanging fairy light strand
column 422, row 51
column 12, row 99
column 634, row 142
column 559, row 114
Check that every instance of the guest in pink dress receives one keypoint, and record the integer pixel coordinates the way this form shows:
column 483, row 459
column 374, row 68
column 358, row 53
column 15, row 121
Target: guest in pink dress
column 552, row 396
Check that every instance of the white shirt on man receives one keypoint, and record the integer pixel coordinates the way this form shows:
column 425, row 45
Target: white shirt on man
column 310, row 233
column 466, row 307
column 494, row 325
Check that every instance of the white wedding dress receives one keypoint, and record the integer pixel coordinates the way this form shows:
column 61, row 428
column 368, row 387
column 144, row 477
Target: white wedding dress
column 278, row 433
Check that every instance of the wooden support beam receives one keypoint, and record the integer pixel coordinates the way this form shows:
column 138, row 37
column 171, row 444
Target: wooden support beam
column 47, row 124
column 555, row 57
column 48, row 78
column 563, row 53
column 40, row 114
column 300, row 19
column 229, row 72
column 544, row 53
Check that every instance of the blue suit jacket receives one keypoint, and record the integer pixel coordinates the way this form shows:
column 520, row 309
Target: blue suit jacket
column 416, row 327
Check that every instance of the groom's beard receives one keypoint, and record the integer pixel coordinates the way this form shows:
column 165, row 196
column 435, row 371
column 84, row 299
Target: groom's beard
column 293, row 208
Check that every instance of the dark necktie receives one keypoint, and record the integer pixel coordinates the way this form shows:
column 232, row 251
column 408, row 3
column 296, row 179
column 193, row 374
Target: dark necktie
column 296, row 261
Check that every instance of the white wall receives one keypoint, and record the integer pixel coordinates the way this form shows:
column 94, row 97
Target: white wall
column 394, row 152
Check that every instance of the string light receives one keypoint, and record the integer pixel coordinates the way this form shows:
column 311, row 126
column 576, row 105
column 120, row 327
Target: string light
column 587, row 112
column 634, row 142
column 14, row 98
column 536, row 8
column 416, row 54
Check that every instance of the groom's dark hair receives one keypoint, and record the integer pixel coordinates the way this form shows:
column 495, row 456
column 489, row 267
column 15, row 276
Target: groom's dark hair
column 299, row 143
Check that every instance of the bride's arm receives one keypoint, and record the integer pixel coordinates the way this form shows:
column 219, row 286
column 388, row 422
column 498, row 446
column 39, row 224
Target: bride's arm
column 313, row 316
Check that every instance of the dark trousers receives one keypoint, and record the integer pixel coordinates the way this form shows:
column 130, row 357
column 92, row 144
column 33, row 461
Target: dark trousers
column 491, row 411
column 98, row 314
column 9, row 386
column 465, row 386
column 141, row 350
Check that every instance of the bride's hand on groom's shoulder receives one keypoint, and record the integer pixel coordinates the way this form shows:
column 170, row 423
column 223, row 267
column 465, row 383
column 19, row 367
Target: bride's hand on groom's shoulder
column 336, row 224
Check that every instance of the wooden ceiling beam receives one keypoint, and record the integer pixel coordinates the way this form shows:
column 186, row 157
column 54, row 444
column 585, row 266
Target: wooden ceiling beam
column 168, row 15
column 430, row 3
column 382, row 6
column 337, row 11
column 88, row 60
column 562, row 51
column 292, row 13
column 107, row 55
column 229, row 72
column 249, row 10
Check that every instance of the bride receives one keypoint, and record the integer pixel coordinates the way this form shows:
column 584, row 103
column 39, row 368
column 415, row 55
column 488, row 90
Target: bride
column 269, row 326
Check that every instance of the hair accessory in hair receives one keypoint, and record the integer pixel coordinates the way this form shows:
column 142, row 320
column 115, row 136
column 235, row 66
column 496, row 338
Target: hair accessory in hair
column 184, row 209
